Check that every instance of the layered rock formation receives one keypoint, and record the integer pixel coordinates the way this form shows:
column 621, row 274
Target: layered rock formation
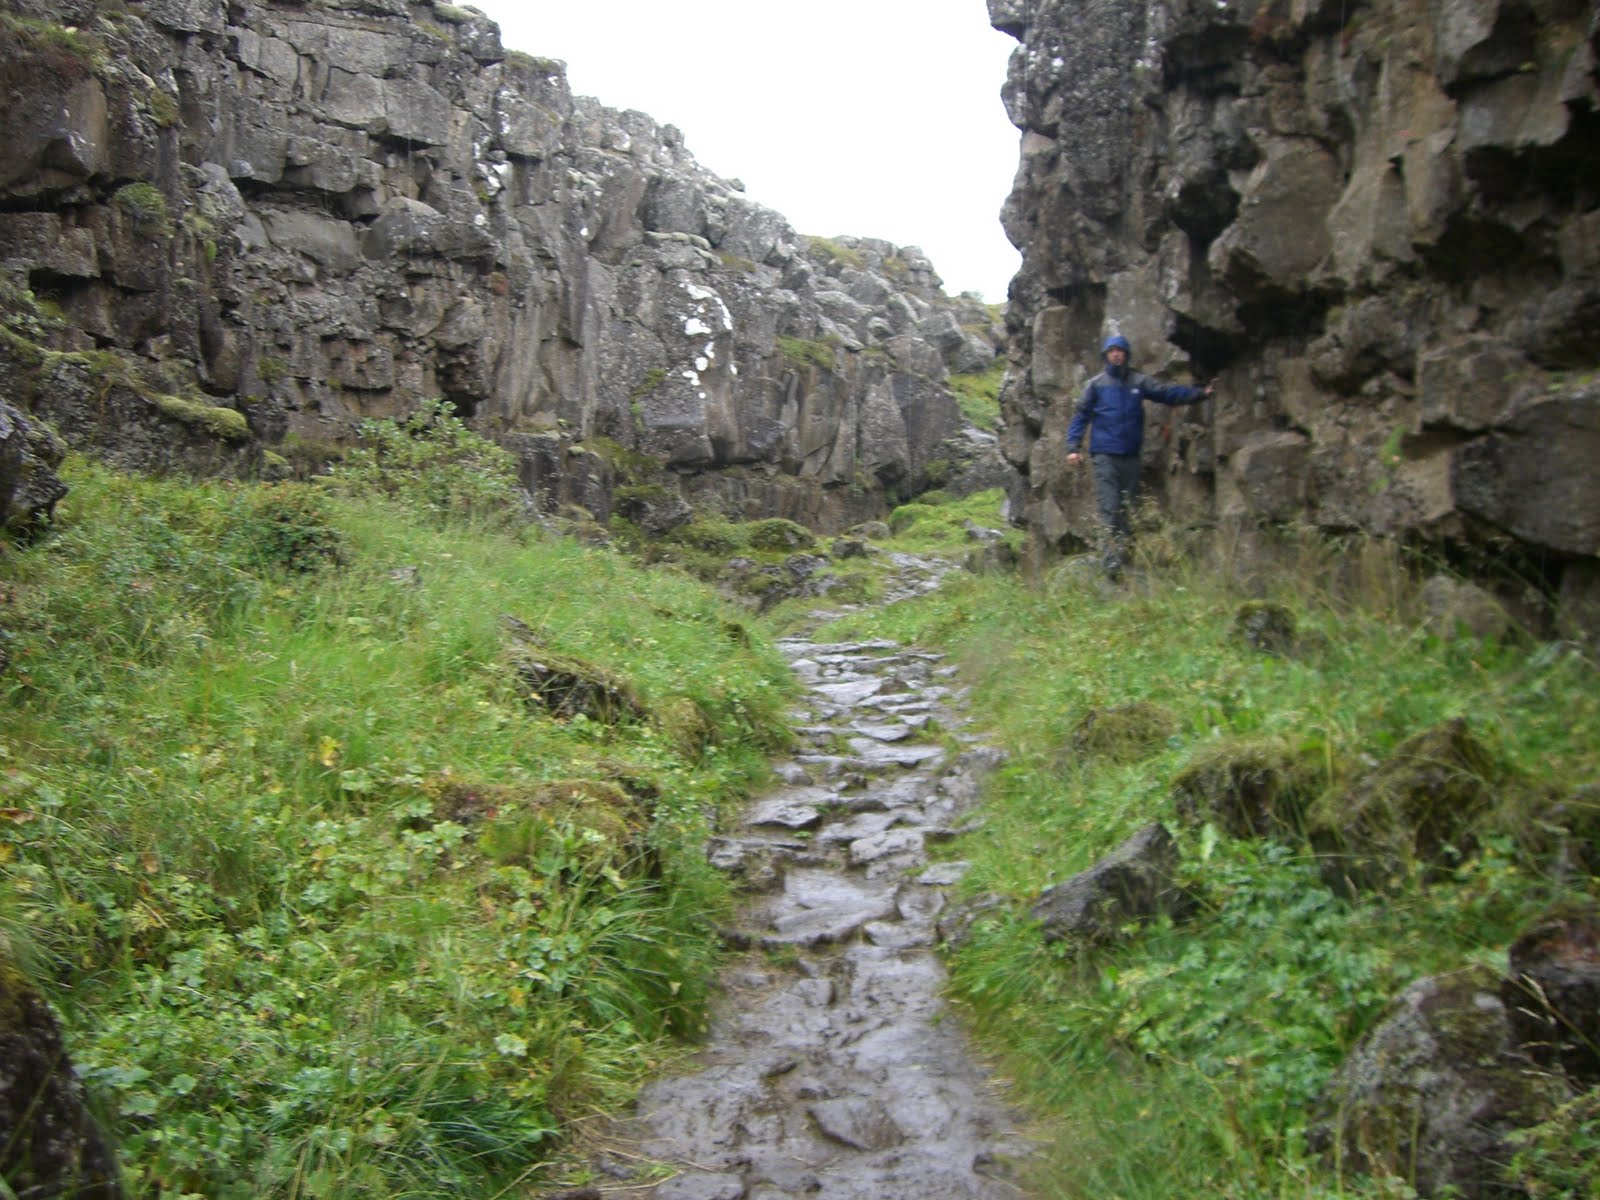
column 253, row 224
column 1377, row 222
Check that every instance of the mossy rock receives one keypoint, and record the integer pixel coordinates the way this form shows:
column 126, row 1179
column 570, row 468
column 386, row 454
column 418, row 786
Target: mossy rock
column 1269, row 628
column 228, row 424
column 778, row 534
column 565, row 826
column 686, row 724
column 712, row 537
column 1124, row 734
column 569, row 687
column 1421, row 810
column 1433, row 1093
column 1252, row 787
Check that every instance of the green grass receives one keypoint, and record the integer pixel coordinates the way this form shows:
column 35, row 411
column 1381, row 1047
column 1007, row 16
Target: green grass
column 327, row 908
column 1184, row 1061
column 978, row 395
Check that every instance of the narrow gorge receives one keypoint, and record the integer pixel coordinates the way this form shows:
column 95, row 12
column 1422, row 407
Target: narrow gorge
column 396, row 817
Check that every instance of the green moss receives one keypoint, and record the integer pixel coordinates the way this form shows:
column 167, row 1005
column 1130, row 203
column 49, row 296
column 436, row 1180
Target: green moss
column 59, row 41
column 531, row 62
column 834, row 255
column 226, row 423
column 449, row 12
column 628, row 466
column 801, row 352
column 780, row 534
column 653, row 378
column 146, row 206
column 735, row 263
column 163, row 109
column 896, row 267
column 978, row 395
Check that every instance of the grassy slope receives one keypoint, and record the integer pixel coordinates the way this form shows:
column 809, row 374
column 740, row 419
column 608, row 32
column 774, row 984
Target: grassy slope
column 1185, row 1062
column 327, row 907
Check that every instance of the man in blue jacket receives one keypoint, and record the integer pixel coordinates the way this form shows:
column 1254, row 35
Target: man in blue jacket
column 1112, row 409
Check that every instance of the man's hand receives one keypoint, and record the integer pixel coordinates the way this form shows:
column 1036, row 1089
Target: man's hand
column 1074, row 459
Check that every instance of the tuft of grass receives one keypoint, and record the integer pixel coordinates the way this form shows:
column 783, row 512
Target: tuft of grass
column 146, row 206
column 834, row 255
column 821, row 353
column 435, row 466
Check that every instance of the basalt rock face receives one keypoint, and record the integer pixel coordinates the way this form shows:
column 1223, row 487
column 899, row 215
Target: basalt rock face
column 309, row 213
column 1374, row 221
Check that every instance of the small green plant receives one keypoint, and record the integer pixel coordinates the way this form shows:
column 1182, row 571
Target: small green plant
column 290, row 526
column 1561, row 1156
column 800, row 352
column 163, row 108
column 978, row 395
column 653, row 378
column 434, row 464
column 145, row 206
column 833, row 254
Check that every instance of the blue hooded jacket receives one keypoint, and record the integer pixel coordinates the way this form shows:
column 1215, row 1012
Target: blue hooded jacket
column 1113, row 405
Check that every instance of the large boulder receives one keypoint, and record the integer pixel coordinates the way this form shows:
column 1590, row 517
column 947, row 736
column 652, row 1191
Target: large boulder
column 1431, row 1094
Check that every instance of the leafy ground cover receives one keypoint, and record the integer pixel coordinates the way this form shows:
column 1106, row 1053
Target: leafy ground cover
column 1185, row 1060
column 329, row 904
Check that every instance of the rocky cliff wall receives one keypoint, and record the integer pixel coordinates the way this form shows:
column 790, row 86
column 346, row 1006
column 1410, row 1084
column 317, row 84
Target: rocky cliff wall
column 1377, row 222
column 250, row 225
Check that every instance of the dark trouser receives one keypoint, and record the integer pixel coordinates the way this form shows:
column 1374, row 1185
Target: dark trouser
column 1116, row 487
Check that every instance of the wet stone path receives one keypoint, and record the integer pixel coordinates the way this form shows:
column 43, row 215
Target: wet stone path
column 832, row 1069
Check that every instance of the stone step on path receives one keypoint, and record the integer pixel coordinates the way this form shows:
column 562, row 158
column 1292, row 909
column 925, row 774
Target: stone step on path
column 832, row 1069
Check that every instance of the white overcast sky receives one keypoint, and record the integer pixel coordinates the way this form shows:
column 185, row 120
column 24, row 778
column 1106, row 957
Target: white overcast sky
column 879, row 118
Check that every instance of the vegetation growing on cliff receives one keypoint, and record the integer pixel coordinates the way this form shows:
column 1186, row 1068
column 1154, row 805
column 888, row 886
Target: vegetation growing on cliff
column 333, row 902
column 1184, row 1061
column 978, row 395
